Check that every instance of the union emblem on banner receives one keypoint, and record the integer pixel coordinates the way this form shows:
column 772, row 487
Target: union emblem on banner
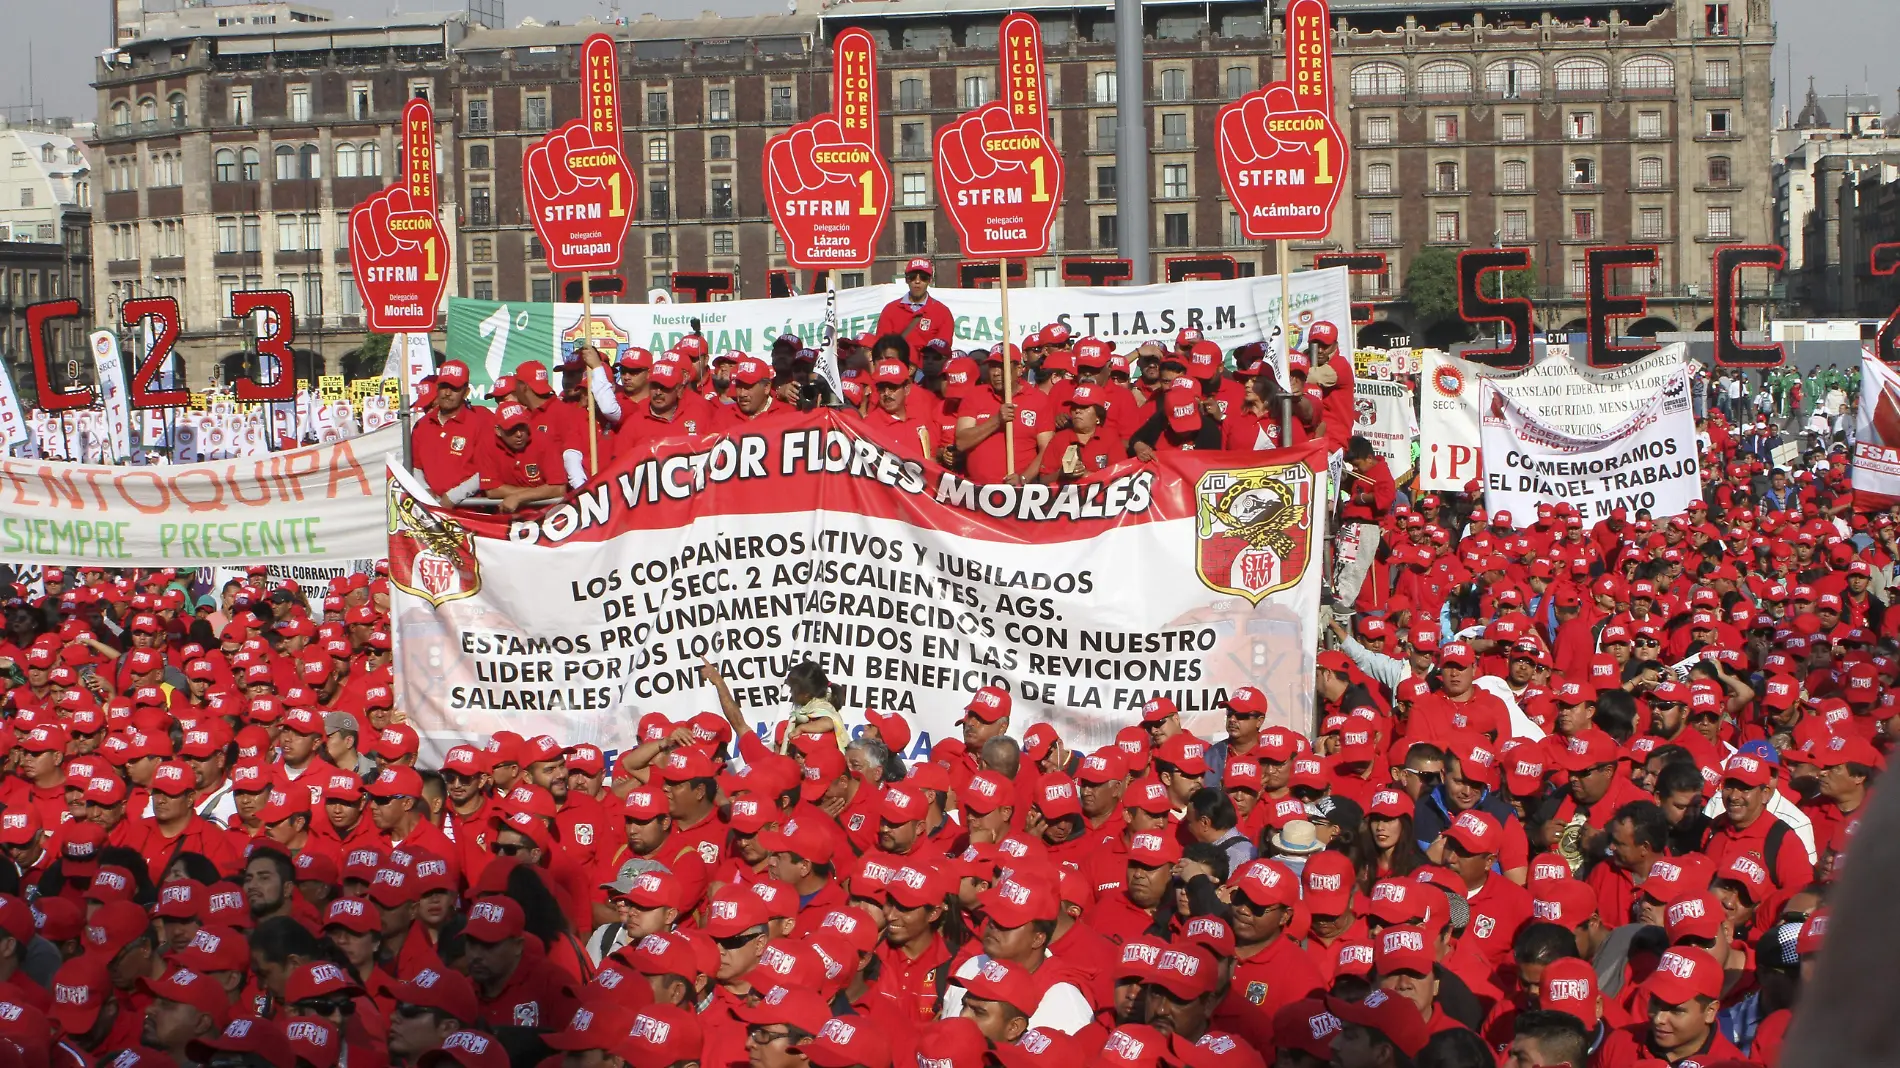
column 1254, row 529
column 430, row 557
column 611, row 340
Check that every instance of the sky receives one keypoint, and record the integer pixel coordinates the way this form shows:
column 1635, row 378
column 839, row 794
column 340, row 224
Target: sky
column 1844, row 44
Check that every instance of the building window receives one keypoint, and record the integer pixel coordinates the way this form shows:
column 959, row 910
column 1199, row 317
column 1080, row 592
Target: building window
column 1582, row 125
column 359, row 100
column 286, row 162
column 253, row 233
column 535, row 113
column 484, row 289
column 1105, row 183
column 1106, row 235
column 1649, row 172
column 249, row 163
column 370, row 160
column 1579, row 276
column 659, row 202
column 481, row 250
column 916, row 237
column 223, row 167
column 722, row 242
column 478, row 115
column 1715, row 73
column 478, row 157
column 1718, row 170
column 299, row 109
column 1649, row 224
column 1378, row 79
column 1583, row 76
column 1583, row 224
column 177, row 107
column 1446, row 226
column 1174, row 180
column 480, row 210
column 722, row 198
column 1240, row 82
column 1174, row 230
column 1174, row 135
column 1445, row 177
column 240, row 107
column 976, row 91
column 656, row 109
column 420, row 90
column 309, row 163
column 1715, row 19
column 1517, row 176
column 782, row 109
column 719, row 105
column 289, row 234
column 911, row 142
column 1721, row 225
column 1379, row 228
column 1719, row 123
column 541, row 290
column 1379, row 178
column 1444, row 78
column 910, row 94
column 313, row 232
column 663, row 243
column 535, row 249
column 1106, row 133
column 916, row 189
column 1105, row 82
column 1516, row 226
column 1649, row 125
column 343, row 232
column 1444, row 128
column 656, row 150
column 720, row 147
column 1649, row 72
column 1513, row 79
column 346, row 160
column 1583, row 172
column 1174, row 85
column 1379, row 130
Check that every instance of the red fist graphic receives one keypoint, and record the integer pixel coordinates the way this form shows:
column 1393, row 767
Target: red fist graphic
column 999, row 177
column 398, row 249
column 576, row 181
column 1282, row 156
column 826, row 183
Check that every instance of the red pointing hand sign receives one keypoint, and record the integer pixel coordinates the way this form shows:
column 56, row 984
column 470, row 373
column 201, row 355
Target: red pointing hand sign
column 1282, row 157
column 999, row 176
column 398, row 249
column 576, row 181
column 826, row 183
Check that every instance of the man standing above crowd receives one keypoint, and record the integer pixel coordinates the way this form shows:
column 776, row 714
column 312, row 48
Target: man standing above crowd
column 918, row 317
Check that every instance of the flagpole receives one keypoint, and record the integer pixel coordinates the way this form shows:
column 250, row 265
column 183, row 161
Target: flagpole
column 587, row 385
column 1009, row 369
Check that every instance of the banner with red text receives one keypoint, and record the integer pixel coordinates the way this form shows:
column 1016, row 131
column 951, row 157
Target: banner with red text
column 912, row 587
column 1876, row 473
column 321, row 502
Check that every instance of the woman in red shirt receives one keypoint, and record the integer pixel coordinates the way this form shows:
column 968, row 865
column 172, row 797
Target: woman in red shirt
column 1085, row 446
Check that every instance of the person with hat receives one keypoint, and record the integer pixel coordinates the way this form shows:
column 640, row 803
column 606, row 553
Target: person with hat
column 1746, row 825
column 561, row 423
column 983, row 419
column 1382, row 1030
column 521, row 467
column 1016, row 966
column 448, row 440
column 1369, row 492
column 1177, row 420
column 916, row 316
column 186, row 1007
column 1084, row 446
column 1682, row 999
column 176, row 827
column 671, row 410
column 514, row 987
column 1271, row 970
column 919, row 437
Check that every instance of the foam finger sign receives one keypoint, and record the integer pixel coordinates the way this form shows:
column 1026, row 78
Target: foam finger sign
column 399, row 251
column 576, row 181
column 1282, row 156
column 827, row 183
column 998, row 173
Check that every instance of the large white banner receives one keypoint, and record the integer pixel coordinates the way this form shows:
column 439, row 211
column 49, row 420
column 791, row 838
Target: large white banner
column 910, row 586
column 1382, row 414
column 1560, row 389
column 1648, row 463
column 321, row 502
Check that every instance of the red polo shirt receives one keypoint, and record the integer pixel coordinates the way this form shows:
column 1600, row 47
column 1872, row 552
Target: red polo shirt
column 448, row 450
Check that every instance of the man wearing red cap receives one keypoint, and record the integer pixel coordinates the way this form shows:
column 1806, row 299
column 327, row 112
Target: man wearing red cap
column 517, row 989
column 520, row 467
column 983, row 417
column 668, row 413
column 1746, row 826
column 1084, row 446
column 176, row 827
column 1022, row 914
column 1682, row 998
column 1271, row 970
column 561, row 424
column 919, row 437
column 918, row 317
column 691, row 785
column 448, row 440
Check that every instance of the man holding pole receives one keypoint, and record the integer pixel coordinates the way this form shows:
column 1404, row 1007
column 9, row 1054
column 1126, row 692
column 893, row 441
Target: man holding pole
column 985, row 412
column 918, row 317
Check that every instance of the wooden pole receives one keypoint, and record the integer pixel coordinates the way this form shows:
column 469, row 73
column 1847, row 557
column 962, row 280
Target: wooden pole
column 1009, row 368
column 587, row 384
column 1280, row 260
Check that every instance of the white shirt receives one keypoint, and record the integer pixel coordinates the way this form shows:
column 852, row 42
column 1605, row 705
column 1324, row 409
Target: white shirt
column 1063, row 1007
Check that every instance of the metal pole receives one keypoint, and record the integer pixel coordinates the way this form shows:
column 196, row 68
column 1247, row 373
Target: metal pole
column 1134, row 215
column 1282, row 262
column 1009, row 368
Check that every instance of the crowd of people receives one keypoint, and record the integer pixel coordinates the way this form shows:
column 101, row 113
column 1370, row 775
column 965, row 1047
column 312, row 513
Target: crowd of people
column 1056, row 407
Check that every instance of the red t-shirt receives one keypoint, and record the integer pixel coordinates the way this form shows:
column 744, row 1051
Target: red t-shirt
column 539, row 464
column 985, row 463
column 448, row 450
column 1098, row 452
